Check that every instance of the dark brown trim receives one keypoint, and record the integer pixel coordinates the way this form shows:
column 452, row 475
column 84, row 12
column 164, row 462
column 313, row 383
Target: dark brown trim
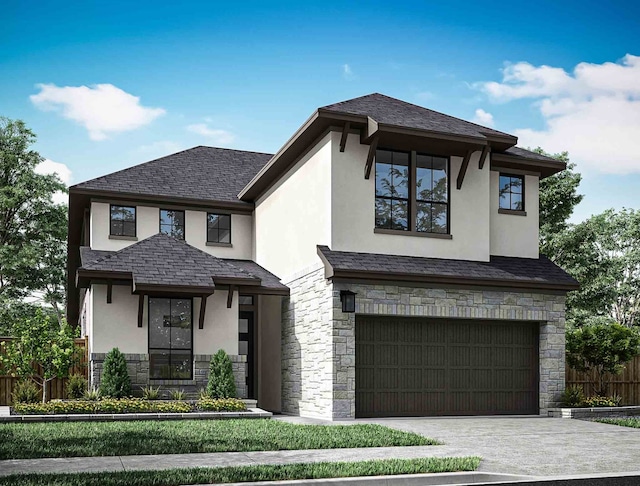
column 241, row 207
column 263, row 291
column 512, row 212
column 206, row 229
column 172, row 289
column 543, row 167
column 372, row 152
column 413, row 205
column 232, row 289
column 345, row 135
column 384, row 127
column 140, row 309
column 515, row 171
column 483, row 157
column 236, row 281
column 135, row 222
column 385, row 231
column 212, row 243
column 203, row 307
column 522, row 194
column 109, row 291
column 463, row 169
column 125, row 238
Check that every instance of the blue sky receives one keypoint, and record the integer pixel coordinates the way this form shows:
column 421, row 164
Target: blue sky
column 107, row 85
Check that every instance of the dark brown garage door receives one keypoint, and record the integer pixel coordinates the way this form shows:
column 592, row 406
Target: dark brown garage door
column 416, row 366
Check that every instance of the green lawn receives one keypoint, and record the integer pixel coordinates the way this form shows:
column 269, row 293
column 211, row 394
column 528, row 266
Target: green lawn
column 249, row 473
column 69, row 439
column 625, row 422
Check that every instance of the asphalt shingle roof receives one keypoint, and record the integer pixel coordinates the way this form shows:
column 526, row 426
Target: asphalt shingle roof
column 206, row 173
column 392, row 111
column 520, row 152
column 164, row 260
column 500, row 269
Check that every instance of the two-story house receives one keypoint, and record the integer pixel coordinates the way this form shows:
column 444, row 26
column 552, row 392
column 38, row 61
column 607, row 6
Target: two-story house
column 384, row 262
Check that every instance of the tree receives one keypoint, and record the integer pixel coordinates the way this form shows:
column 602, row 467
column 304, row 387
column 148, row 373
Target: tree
column 221, row 380
column 32, row 228
column 37, row 345
column 115, row 381
column 603, row 347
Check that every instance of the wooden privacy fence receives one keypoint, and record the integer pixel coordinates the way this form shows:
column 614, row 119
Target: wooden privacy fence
column 627, row 384
column 56, row 388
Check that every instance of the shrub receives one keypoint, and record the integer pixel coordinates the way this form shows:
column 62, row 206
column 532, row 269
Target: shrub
column 76, row 386
column 150, row 393
column 597, row 401
column 221, row 381
column 26, row 391
column 573, row 396
column 177, row 395
column 221, row 405
column 91, row 395
column 106, row 405
column 115, row 381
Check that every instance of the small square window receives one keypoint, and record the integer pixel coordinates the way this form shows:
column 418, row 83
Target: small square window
column 218, row 228
column 122, row 221
column 511, row 192
column 172, row 223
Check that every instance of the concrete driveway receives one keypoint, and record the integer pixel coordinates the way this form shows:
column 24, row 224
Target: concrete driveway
column 535, row 446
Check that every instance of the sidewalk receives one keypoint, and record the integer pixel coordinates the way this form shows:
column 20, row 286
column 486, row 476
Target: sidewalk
column 218, row 459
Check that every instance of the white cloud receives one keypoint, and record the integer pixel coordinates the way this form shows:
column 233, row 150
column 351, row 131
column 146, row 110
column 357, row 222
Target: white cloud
column 592, row 112
column 160, row 148
column 347, row 72
column 215, row 135
column 62, row 171
column 102, row 108
column 483, row 118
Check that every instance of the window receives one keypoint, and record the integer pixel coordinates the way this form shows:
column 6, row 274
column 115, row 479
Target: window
column 218, row 228
column 172, row 223
column 512, row 192
column 432, row 194
column 392, row 190
column 170, row 339
column 412, row 192
column 122, row 221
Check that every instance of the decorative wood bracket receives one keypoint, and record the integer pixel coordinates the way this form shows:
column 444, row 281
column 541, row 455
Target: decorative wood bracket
column 463, row 169
column 140, row 309
column 372, row 152
column 483, row 156
column 232, row 289
column 109, row 291
column 345, row 134
column 203, row 308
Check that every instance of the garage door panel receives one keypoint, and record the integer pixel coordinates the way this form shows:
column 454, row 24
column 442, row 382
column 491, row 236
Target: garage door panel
column 418, row 366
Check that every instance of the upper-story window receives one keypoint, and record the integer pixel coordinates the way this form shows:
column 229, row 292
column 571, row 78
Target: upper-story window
column 412, row 192
column 172, row 223
column 512, row 192
column 218, row 228
column 122, row 221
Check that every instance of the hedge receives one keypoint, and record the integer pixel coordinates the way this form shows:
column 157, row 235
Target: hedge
column 128, row 405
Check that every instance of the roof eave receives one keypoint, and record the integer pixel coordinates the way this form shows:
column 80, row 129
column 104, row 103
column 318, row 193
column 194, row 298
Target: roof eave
column 546, row 168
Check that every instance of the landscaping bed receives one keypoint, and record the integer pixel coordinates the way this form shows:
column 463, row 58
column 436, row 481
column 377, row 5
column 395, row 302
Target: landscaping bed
column 69, row 439
column 593, row 412
column 250, row 473
column 633, row 422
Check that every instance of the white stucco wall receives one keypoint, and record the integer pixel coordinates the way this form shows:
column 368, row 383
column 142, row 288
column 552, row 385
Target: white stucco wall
column 295, row 215
column 353, row 210
column 147, row 224
column 241, row 235
column 116, row 324
column 514, row 235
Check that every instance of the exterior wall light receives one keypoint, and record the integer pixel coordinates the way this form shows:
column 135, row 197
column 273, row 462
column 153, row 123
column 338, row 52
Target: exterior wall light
column 348, row 300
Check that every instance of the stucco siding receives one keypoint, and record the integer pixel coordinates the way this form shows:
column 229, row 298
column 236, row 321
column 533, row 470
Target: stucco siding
column 353, row 210
column 220, row 325
column 515, row 235
column 295, row 215
column 147, row 224
column 241, row 235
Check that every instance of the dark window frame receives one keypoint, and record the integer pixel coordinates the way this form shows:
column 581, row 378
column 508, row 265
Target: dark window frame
column 173, row 225
column 521, row 177
column 413, row 200
column 207, row 229
column 135, row 220
column 391, row 199
column 149, row 348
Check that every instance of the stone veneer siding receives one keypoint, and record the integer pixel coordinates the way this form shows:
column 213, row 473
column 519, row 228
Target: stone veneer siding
column 318, row 341
column 138, row 368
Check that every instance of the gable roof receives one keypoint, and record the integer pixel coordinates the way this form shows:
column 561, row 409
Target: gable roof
column 531, row 273
column 162, row 260
column 391, row 111
column 200, row 173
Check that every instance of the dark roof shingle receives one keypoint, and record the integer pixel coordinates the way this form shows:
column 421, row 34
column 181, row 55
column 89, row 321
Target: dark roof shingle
column 501, row 271
column 392, row 111
column 205, row 173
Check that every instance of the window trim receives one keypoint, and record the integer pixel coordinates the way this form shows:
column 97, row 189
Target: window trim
column 408, row 199
column 412, row 200
column 218, row 243
column 135, row 223
column 184, row 226
column 510, row 210
column 149, row 348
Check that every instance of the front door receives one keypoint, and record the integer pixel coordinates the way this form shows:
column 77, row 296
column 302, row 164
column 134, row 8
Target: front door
column 246, row 347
